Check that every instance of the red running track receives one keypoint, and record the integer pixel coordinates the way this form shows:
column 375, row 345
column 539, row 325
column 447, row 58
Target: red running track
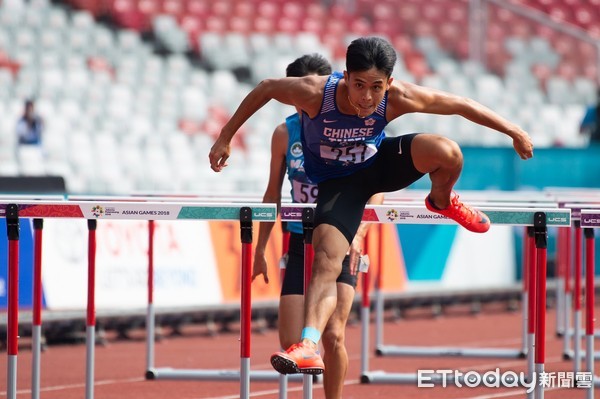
column 119, row 366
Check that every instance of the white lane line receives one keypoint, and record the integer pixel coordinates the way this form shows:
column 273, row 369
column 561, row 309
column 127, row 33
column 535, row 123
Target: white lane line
column 82, row 385
column 276, row 391
column 518, row 393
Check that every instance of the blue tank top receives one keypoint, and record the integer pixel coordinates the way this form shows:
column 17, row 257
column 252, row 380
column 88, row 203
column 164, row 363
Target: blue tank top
column 337, row 144
column 303, row 190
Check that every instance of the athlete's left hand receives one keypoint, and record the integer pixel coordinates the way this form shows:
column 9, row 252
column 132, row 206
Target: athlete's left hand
column 219, row 153
column 356, row 249
column 260, row 267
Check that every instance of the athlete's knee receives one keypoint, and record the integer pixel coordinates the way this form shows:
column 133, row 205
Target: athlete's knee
column 449, row 152
column 326, row 263
column 333, row 339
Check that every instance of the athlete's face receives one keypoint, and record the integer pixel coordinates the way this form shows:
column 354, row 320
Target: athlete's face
column 366, row 89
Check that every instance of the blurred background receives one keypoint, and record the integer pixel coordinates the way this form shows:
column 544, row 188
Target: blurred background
column 132, row 93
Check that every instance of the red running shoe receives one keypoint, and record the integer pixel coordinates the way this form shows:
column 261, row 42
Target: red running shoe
column 468, row 217
column 299, row 358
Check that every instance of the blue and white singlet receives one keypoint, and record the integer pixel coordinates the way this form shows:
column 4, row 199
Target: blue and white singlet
column 337, row 144
column 302, row 189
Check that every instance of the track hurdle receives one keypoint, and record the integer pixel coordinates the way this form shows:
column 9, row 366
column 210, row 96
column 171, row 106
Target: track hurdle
column 169, row 373
column 590, row 219
column 539, row 218
column 390, row 350
column 118, row 210
column 572, row 242
column 564, row 296
column 36, row 325
column 498, row 216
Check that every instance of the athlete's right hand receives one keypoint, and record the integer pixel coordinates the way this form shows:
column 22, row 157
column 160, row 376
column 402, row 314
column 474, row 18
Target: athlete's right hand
column 260, row 267
column 523, row 144
column 219, row 153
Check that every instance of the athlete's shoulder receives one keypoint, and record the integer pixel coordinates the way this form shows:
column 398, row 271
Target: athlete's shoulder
column 281, row 132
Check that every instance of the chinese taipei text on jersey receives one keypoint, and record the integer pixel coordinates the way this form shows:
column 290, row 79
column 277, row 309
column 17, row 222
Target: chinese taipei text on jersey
column 337, row 144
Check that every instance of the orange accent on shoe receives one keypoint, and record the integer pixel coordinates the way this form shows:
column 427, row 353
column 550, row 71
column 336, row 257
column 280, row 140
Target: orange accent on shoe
column 465, row 215
column 298, row 358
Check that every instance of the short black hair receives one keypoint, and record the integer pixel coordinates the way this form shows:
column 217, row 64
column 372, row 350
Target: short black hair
column 367, row 52
column 308, row 64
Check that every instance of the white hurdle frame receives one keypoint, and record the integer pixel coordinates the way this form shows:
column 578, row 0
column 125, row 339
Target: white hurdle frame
column 540, row 218
column 575, row 249
column 135, row 209
column 564, row 295
column 521, row 353
column 169, row 373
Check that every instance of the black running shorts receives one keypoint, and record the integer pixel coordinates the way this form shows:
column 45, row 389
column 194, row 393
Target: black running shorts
column 293, row 281
column 341, row 201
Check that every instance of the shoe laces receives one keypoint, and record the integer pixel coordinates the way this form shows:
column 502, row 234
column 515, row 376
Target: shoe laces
column 295, row 347
column 464, row 211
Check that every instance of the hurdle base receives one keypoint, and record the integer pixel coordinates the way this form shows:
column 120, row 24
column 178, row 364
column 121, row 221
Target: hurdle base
column 382, row 377
column 388, row 350
column 167, row 373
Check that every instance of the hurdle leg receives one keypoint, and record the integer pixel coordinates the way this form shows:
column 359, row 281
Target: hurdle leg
column 91, row 310
column 577, row 299
column 285, row 245
column 246, row 301
column 531, row 263
column 307, row 228
column 379, row 305
column 365, row 315
column 541, row 244
column 525, row 294
column 589, row 306
column 36, row 328
column 12, row 229
column 568, row 294
column 150, row 314
column 560, row 282
column 283, row 386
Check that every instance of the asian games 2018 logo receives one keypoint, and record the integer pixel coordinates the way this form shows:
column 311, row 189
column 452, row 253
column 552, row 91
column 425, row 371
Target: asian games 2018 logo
column 392, row 215
column 370, row 122
column 97, row 211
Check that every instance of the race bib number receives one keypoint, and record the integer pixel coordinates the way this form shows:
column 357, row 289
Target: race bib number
column 305, row 193
column 355, row 153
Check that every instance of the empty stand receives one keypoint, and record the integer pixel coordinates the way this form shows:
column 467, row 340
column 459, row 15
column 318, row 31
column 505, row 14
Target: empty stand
column 124, row 112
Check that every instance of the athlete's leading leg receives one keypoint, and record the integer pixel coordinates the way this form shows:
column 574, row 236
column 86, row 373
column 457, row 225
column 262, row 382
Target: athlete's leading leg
column 335, row 356
column 442, row 159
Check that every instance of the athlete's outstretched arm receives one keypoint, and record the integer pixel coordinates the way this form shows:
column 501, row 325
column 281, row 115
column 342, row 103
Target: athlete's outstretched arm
column 406, row 97
column 302, row 93
column 272, row 195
